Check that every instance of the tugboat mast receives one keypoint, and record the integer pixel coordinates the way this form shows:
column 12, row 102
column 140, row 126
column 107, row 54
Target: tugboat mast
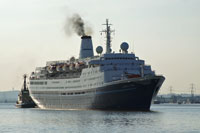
column 108, row 32
column 24, row 82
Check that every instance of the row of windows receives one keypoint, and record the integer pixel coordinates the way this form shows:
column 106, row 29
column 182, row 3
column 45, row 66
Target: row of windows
column 122, row 64
column 69, row 81
column 68, row 87
column 55, row 82
column 55, row 87
column 93, row 78
column 71, row 93
column 76, row 81
column 90, row 85
column 45, row 83
column 38, row 94
column 38, row 83
column 73, row 87
column 63, row 87
column 132, row 58
column 91, row 72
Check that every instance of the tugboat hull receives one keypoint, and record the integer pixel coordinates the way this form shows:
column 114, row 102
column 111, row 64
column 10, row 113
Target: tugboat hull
column 26, row 105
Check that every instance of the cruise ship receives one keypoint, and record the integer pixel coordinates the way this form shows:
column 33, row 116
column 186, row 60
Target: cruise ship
column 105, row 81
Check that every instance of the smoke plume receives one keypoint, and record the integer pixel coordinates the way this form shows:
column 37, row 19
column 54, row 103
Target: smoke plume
column 75, row 24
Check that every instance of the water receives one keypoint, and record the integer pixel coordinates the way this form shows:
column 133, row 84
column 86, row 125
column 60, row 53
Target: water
column 162, row 118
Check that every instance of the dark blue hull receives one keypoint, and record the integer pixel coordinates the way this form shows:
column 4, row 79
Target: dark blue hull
column 129, row 95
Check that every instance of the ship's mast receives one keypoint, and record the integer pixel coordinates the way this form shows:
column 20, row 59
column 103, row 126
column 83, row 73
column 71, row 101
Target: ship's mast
column 24, row 82
column 108, row 32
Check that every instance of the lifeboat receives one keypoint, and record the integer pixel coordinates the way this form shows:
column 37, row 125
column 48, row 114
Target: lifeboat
column 72, row 66
column 133, row 76
column 77, row 65
column 81, row 65
column 65, row 67
column 59, row 68
column 130, row 75
column 50, row 69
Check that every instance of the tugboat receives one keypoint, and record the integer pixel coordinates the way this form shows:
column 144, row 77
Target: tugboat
column 24, row 99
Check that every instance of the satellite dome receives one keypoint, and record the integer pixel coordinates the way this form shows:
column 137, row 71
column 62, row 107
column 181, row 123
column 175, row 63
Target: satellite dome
column 124, row 46
column 99, row 49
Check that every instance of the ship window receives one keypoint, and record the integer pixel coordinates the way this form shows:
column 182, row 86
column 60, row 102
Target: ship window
column 76, row 81
column 36, row 83
column 56, row 82
column 63, row 93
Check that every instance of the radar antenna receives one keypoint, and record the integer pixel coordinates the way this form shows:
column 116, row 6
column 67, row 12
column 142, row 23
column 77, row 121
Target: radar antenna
column 108, row 32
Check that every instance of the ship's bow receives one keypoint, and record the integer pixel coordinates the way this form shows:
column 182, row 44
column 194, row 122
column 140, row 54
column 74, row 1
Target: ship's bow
column 131, row 94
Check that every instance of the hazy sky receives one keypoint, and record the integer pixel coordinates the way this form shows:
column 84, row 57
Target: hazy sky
column 165, row 33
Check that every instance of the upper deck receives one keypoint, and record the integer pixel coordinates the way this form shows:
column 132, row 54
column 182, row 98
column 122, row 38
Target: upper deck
column 113, row 62
column 109, row 63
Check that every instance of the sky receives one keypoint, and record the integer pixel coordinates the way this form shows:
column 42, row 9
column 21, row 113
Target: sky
column 165, row 33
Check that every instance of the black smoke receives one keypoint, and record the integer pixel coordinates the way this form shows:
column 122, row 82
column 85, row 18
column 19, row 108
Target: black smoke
column 76, row 24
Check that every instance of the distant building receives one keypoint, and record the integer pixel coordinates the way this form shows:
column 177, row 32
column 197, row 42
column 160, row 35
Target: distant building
column 8, row 96
column 177, row 98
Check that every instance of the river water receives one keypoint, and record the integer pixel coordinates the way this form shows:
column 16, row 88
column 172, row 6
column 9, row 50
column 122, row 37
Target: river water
column 168, row 118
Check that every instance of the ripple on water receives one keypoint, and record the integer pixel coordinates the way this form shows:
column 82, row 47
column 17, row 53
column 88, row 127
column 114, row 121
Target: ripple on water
column 162, row 118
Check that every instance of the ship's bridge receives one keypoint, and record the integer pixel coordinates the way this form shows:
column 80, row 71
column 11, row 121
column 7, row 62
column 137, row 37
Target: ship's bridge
column 117, row 64
column 116, row 58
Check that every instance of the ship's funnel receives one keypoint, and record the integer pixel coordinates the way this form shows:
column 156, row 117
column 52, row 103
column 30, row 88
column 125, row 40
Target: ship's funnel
column 86, row 49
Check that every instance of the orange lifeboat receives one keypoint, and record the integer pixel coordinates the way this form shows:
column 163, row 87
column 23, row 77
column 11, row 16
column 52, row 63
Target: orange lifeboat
column 130, row 75
column 133, row 76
